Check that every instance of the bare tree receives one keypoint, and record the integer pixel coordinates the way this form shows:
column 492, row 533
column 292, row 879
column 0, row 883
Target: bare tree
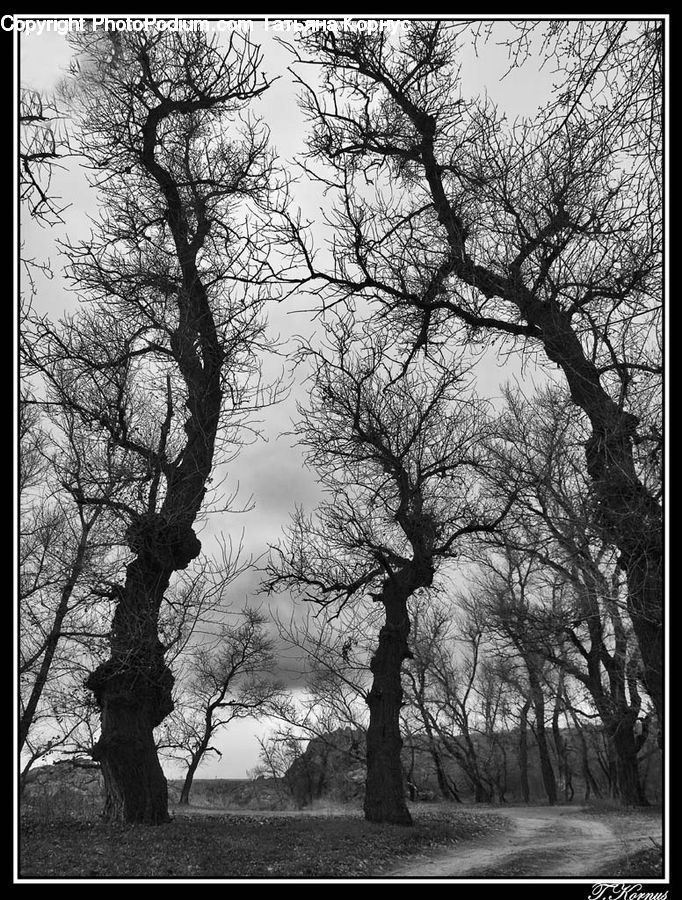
column 65, row 724
column 227, row 679
column 330, row 652
column 160, row 367
column 43, row 140
column 429, row 627
column 279, row 751
column 503, row 601
column 67, row 555
column 543, row 234
column 326, row 656
column 462, row 694
column 621, row 69
column 398, row 458
column 544, row 629
column 440, row 678
column 58, row 547
column 580, row 622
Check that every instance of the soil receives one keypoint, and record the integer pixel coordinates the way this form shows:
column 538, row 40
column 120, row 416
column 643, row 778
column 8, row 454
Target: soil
column 545, row 842
column 540, row 842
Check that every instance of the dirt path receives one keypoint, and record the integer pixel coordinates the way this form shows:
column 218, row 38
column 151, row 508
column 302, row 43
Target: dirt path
column 542, row 842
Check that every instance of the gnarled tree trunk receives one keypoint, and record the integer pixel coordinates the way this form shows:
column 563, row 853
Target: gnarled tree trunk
column 134, row 783
column 623, row 752
column 630, row 516
column 384, row 791
column 133, row 687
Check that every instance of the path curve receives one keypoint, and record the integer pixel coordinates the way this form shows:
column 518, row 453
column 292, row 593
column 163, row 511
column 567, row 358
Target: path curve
column 541, row 842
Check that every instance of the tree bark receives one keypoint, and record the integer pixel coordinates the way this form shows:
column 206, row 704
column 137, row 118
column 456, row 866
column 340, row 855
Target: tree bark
column 523, row 751
column 482, row 793
column 189, row 777
column 548, row 779
column 630, row 517
column 448, row 787
column 135, row 786
column 133, row 687
column 643, row 567
column 561, row 748
column 591, row 785
column 384, row 791
column 623, row 747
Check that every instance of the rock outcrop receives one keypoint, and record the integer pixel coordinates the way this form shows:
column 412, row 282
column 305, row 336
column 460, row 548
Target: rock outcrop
column 331, row 767
column 69, row 787
column 75, row 789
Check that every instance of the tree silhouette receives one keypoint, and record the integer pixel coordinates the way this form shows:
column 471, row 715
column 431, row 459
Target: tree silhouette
column 544, row 234
column 397, row 456
column 160, row 367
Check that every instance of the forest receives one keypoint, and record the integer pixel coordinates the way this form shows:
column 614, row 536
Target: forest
column 430, row 337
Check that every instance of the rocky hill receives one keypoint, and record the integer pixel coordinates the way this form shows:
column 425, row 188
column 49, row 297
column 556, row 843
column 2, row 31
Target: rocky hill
column 331, row 767
column 74, row 788
column 71, row 788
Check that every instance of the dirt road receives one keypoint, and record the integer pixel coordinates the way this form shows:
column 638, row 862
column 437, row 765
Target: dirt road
column 543, row 842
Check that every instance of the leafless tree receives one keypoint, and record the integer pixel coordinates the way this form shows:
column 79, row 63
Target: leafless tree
column 621, row 69
column 68, row 561
column 279, row 751
column 455, row 687
column 582, row 625
column 227, row 679
column 397, row 455
column 502, row 600
column 329, row 651
column 43, row 140
column 542, row 235
column 325, row 657
column 66, row 551
column 66, row 557
column 440, row 679
column 551, row 625
column 55, row 546
column 160, row 367
column 65, row 724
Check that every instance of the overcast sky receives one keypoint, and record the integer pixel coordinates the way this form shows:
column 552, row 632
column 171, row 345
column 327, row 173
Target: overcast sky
column 271, row 470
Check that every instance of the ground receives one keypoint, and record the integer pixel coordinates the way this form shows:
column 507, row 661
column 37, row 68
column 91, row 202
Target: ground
column 447, row 842
column 550, row 842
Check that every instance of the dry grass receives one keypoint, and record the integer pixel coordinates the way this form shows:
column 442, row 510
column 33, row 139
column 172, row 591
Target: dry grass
column 645, row 864
column 62, row 806
column 233, row 846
